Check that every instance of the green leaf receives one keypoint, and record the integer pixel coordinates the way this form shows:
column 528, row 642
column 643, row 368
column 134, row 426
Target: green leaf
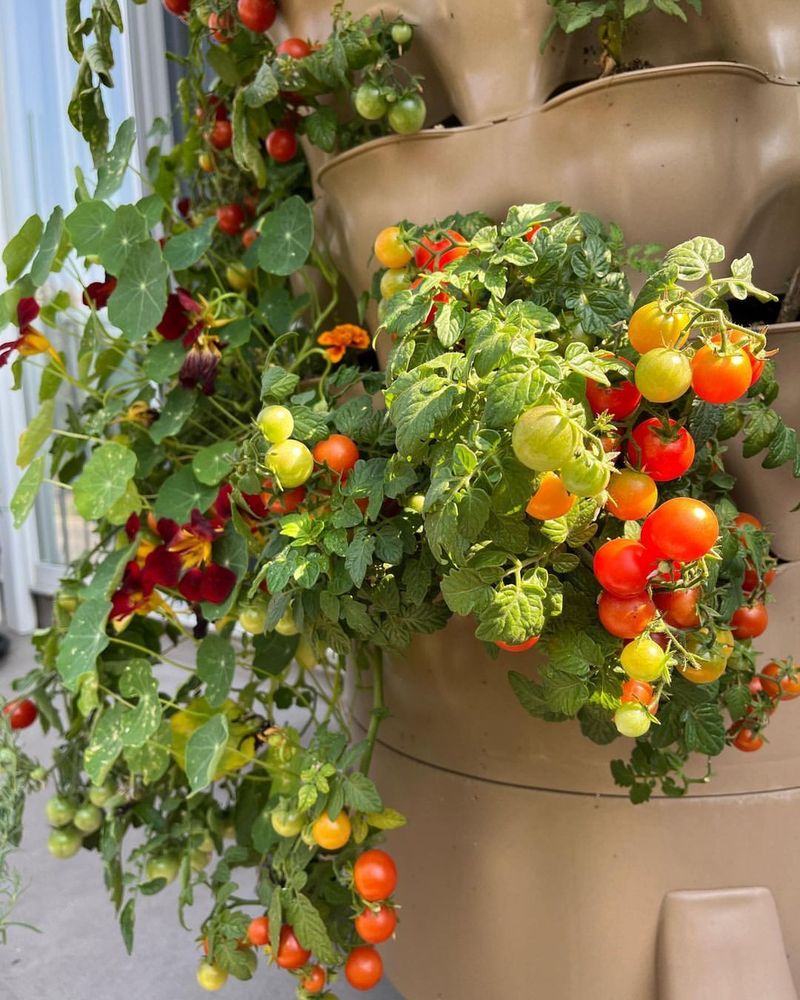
column 112, row 170
column 140, row 298
column 151, row 760
column 510, row 392
column 127, row 231
column 127, row 921
column 204, row 752
column 277, row 383
column 88, row 224
column 246, row 151
column 27, row 489
column 531, row 696
column 84, row 641
column 105, row 745
column 565, row 692
column 321, row 127
column 695, row 257
column 386, row 819
column 187, row 248
column 163, row 360
column 36, row 433
column 705, row 730
column 215, row 665
column 22, row 247
column 264, row 87
column 213, row 463
column 48, row 248
column 310, row 928
column 468, row 590
column 512, row 615
column 180, row 493
column 286, row 237
column 360, row 794
column 596, row 725
column 104, row 480
column 634, row 7
column 419, row 408
column 359, row 555
column 178, row 405
column 142, row 722
column 109, row 573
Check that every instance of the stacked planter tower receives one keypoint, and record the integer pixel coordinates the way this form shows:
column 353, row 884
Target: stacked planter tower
column 528, row 872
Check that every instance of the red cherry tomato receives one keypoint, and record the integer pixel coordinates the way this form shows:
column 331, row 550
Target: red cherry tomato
column 178, row 7
column 258, row 932
column 532, row 232
column 338, row 452
column 619, row 399
column 281, row 503
column 363, row 968
column 631, row 495
column 622, row 567
column 257, row 15
column 786, row 687
column 21, row 713
column 637, row 691
column 750, row 621
column 376, row 926
column 220, row 25
column 681, row 529
column 721, row 378
column 296, row 48
column 662, row 457
column 291, row 954
column 748, row 740
column 314, row 982
column 625, row 617
column 249, row 236
column 435, row 255
column 230, row 219
column 375, row 876
column 282, row 145
column 679, row 607
column 519, row 647
column 221, row 134
column 739, row 338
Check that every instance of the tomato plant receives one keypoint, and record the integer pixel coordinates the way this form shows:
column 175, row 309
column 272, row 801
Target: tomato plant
column 375, row 876
column 663, row 452
column 682, row 529
column 631, row 495
column 363, row 968
column 21, row 713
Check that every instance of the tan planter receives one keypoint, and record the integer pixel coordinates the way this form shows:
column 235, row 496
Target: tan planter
column 524, row 871
column 647, row 150
column 772, row 494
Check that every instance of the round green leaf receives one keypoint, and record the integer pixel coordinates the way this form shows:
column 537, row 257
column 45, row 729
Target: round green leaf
column 286, row 237
column 181, row 493
column 140, row 298
column 104, row 480
column 213, row 463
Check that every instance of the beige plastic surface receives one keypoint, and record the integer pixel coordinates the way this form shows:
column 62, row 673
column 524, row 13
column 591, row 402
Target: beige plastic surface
column 484, row 68
column 723, row 944
column 771, row 494
column 663, row 166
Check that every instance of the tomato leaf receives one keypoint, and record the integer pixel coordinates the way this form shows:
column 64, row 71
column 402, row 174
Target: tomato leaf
column 310, row 929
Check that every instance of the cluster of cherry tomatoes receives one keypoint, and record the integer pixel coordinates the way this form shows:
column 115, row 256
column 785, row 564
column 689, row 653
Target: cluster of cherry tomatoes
column 72, row 820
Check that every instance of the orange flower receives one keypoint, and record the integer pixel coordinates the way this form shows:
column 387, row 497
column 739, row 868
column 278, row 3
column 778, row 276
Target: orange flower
column 30, row 341
column 340, row 338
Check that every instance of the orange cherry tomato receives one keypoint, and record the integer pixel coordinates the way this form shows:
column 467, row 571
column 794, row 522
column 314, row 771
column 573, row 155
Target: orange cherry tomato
column 631, row 495
column 551, row 499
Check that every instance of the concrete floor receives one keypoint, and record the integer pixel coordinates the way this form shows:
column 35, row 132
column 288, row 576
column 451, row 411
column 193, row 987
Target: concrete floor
column 78, row 954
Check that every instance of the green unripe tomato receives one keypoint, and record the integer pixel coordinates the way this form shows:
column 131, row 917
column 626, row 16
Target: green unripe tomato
column 67, row 602
column 238, row 277
column 407, row 115
column 585, row 476
column 416, row 503
column 394, row 280
column 291, row 462
column 543, row 439
column 402, row 33
column 663, row 375
column 88, row 818
column 631, row 720
column 100, row 794
column 286, row 624
column 59, row 811
column 276, row 423
column 206, row 845
column 199, row 860
column 64, row 843
column 163, row 866
column 211, row 977
column 370, row 101
column 643, row 659
column 305, row 655
column 253, row 619
column 39, row 774
column 286, row 823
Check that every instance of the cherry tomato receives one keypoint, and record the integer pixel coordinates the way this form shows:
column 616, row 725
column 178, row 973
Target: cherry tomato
column 681, row 529
column 315, row 981
column 249, row 236
column 750, row 621
column 663, row 375
column 532, row 232
column 21, row 713
column 631, row 495
column 258, row 932
column 375, row 876
column 631, row 720
column 220, row 25
column 435, row 254
column 742, row 519
column 663, row 458
column 59, row 810
column 286, row 823
column 276, row 423
column 776, row 683
column 520, row 647
column 230, row 219
column 64, row 843
column 625, row 617
column 644, row 659
column 654, row 325
column 748, row 740
column 178, row 7
column 712, row 650
column 291, row 954
column 402, row 33
column 585, row 475
column 370, row 101
column 637, row 692
column 282, row 145
column 282, row 503
column 619, row 399
column 721, row 378
column 337, row 452
column 257, row 15
column 206, row 162
column 407, row 114
column 331, row 834
column 394, row 280
column 291, row 462
column 611, row 442
column 163, row 866
column 390, row 249
column 363, row 968
column 221, row 134
column 622, row 567
column 551, row 499
column 543, row 439
column 211, row 977
column 679, row 607
column 89, row 819
column 376, row 926
column 295, row 48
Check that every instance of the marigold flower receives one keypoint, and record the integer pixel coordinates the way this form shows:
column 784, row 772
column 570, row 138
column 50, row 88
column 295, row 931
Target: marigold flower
column 29, row 341
column 342, row 337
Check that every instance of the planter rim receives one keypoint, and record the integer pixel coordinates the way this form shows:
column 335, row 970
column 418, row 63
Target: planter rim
column 577, row 92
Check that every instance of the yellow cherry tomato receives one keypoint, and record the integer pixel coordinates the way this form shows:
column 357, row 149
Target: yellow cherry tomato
column 331, row 834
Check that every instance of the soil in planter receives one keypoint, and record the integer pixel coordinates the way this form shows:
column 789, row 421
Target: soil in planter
column 592, row 58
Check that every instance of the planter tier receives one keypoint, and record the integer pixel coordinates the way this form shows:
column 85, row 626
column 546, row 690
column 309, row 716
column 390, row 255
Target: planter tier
column 663, row 166
column 486, row 68
column 519, row 843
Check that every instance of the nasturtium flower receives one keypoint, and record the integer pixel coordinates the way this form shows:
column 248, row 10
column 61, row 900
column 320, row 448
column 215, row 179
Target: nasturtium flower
column 97, row 293
column 342, row 337
column 213, row 583
column 182, row 318
column 29, row 341
column 199, row 369
column 192, row 542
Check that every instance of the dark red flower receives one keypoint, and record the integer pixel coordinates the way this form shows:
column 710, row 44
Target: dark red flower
column 199, row 368
column 99, row 292
column 134, row 593
column 220, row 510
column 132, row 526
column 167, row 529
column 162, row 568
column 191, row 585
column 29, row 341
column 180, row 319
column 192, row 542
column 218, row 582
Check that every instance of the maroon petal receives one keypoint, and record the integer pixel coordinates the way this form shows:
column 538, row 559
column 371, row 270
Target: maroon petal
column 256, row 504
column 218, row 582
column 99, row 292
column 222, row 505
column 191, row 585
column 187, row 301
column 7, row 349
column 162, row 567
column 27, row 311
column 132, row 526
column 174, row 322
column 167, row 529
column 200, row 526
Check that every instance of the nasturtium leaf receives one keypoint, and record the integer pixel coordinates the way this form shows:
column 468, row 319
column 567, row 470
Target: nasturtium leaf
column 109, row 573
column 141, row 722
column 36, row 433
column 204, row 751
column 213, row 463
column 215, row 665
column 104, row 480
column 286, row 237
column 112, row 171
column 48, row 248
column 151, row 759
column 85, row 640
column 128, row 229
column 187, row 248
column 105, row 745
column 140, row 298
column 180, row 493
column 27, row 488
column 129, row 503
column 88, row 224
column 277, row 308
column 179, row 404
column 22, row 247
column 164, row 360
column 152, row 208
